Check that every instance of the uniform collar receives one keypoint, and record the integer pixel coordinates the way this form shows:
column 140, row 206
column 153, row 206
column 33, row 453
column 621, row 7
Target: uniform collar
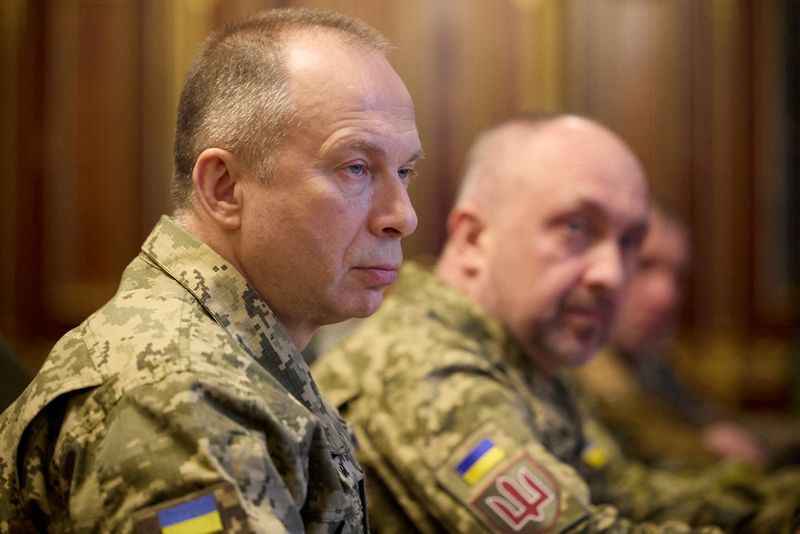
column 423, row 290
column 236, row 306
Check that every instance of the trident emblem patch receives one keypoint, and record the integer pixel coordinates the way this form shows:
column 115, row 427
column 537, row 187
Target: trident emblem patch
column 522, row 498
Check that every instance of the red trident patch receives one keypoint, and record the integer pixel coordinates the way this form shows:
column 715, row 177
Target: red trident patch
column 522, row 498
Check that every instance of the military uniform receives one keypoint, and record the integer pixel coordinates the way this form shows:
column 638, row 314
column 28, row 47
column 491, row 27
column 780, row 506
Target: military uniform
column 652, row 426
column 458, row 432
column 182, row 402
column 660, row 421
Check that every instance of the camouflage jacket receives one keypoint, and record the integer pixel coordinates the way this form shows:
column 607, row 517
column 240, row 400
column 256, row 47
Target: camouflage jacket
column 458, row 433
column 649, row 426
column 182, row 402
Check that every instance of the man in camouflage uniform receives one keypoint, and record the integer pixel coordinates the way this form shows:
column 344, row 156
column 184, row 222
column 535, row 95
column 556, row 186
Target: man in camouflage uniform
column 631, row 385
column 453, row 385
column 184, row 403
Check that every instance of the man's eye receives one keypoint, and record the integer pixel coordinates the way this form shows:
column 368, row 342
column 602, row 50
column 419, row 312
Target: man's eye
column 356, row 169
column 630, row 243
column 633, row 242
column 577, row 226
column 406, row 174
column 578, row 232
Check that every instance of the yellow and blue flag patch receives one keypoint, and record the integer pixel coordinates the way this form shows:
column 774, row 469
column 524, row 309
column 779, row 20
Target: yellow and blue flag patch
column 198, row 516
column 480, row 460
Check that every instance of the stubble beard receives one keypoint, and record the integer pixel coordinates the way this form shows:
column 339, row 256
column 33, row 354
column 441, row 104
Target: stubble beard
column 556, row 344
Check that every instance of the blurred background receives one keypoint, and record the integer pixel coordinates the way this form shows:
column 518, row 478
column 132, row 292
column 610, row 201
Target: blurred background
column 705, row 91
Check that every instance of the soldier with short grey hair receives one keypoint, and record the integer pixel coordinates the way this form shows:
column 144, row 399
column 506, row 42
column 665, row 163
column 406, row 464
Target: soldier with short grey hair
column 183, row 404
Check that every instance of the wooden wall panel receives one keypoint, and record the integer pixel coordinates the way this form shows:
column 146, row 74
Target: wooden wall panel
column 91, row 204
column 161, row 77
column 542, row 45
column 12, row 23
column 722, row 202
column 22, row 322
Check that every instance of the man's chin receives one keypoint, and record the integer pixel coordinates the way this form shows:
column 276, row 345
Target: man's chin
column 577, row 352
column 365, row 305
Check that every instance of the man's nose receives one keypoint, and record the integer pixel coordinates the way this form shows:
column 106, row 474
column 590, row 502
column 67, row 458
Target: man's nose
column 607, row 268
column 392, row 213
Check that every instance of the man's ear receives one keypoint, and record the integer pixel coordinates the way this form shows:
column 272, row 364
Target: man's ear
column 217, row 187
column 469, row 237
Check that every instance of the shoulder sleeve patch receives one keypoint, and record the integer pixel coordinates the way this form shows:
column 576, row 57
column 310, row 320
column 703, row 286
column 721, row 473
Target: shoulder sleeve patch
column 501, row 483
column 213, row 509
column 521, row 497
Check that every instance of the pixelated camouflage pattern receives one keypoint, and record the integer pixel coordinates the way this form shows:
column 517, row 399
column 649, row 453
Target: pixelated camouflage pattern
column 430, row 374
column 184, row 380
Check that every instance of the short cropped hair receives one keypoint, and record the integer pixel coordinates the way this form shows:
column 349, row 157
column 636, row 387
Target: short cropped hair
column 236, row 96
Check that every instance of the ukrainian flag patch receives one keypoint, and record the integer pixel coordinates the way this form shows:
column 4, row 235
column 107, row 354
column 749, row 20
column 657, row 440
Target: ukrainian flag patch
column 479, row 461
column 198, row 516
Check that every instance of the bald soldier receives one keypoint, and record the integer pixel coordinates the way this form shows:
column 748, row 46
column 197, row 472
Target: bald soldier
column 453, row 386
column 183, row 404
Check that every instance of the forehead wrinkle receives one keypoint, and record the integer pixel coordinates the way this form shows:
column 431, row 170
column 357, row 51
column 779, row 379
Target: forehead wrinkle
column 363, row 145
